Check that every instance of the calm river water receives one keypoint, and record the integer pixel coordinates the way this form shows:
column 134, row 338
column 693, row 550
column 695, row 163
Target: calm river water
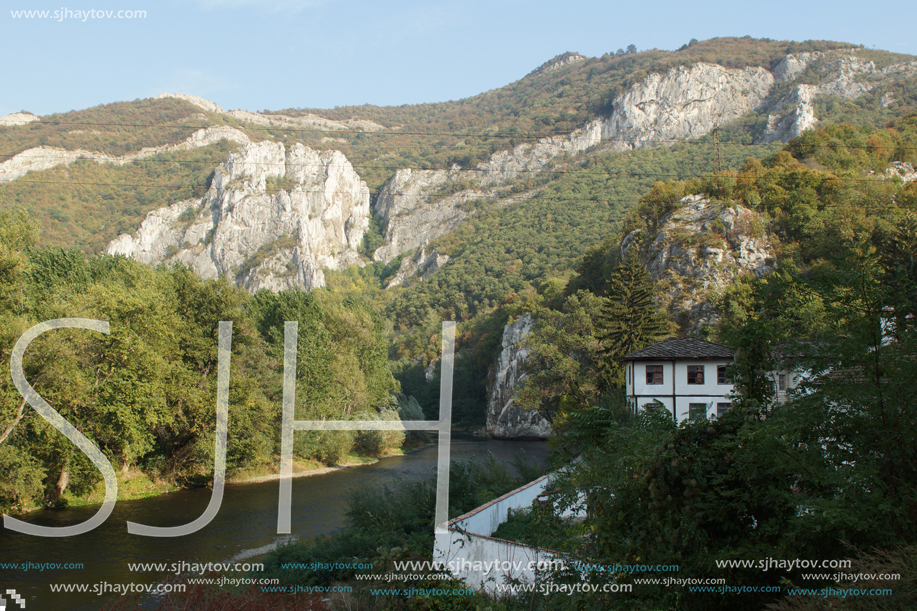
column 247, row 520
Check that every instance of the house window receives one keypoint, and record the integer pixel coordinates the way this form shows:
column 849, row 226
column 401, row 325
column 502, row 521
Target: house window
column 721, row 408
column 695, row 374
column 697, row 411
column 654, row 374
column 781, row 382
column 721, row 374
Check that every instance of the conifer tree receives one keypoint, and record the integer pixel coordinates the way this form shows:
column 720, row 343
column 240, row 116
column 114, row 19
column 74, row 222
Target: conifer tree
column 629, row 319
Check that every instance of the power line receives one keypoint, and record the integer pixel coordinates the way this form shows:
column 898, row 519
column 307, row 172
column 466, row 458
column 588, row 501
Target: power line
column 671, row 176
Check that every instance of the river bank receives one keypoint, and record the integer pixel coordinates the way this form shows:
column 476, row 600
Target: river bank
column 244, row 527
column 135, row 484
column 321, row 470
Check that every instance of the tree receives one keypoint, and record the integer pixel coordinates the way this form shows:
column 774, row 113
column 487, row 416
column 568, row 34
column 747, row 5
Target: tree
column 629, row 319
column 564, row 364
column 631, row 49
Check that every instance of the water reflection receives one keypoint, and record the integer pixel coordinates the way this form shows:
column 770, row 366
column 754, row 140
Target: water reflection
column 247, row 520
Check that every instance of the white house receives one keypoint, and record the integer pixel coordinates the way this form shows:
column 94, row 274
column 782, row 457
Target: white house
column 686, row 375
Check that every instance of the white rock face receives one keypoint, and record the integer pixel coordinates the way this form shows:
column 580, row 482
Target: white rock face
column 46, row 157
column 526, row 159
column 412, row 213
column 794, row 114
column 419, row 264
column 18, row 118
column 258, row 239
column 308, row 121
column 684, row 103
column 701, row 249
column 193, row 99
column 504, row 419
column 841, row 74
column 410, row 218
column 903, row 170
column 792, row 66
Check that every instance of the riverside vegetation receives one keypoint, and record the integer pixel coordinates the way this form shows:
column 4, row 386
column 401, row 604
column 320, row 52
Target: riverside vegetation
column 144, row 393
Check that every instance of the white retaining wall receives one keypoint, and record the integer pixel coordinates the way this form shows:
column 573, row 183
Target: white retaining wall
column 482, row 561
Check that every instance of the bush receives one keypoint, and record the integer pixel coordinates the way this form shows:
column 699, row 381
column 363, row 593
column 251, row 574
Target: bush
column 377, row 442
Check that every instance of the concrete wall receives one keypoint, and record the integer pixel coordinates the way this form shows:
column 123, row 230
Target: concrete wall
column 484, row 562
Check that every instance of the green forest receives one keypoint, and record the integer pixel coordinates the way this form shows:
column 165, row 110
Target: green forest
column 145, row 392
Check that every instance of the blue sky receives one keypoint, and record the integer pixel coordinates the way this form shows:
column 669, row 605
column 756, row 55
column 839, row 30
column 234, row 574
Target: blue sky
column 274, row 54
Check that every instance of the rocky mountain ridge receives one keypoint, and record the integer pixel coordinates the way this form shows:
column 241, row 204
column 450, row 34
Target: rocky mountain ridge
column 679, row 104
column 45, row 157
column 839, row 74
column 415, row 206
column 18, row 118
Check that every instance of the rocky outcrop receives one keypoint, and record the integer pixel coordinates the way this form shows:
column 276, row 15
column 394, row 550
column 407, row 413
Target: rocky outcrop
column 256, row 234
column 18, row 118
column 564, row 59
column 903, row 170
column 504, row 419
column 414, row 212
column 684, row 103
column 193, row 99
column 838, row 73
column 793, row 65
column 46, row 157
column 305, row 121
column 792, row 115
column 699, row 250
column 420, row 266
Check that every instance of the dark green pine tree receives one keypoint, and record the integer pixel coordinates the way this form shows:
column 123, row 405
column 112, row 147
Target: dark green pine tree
column 629, row 320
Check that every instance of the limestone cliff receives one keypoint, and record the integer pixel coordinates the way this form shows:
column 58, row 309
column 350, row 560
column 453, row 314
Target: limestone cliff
column 413, row 214
column 419, row 264
column 256, row 234
column 837, row 73
column 504, row 419
column 700, row 249
column 681, row 103
column 684, row 103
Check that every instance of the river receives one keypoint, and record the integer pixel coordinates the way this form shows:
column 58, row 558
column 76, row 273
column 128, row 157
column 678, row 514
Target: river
column 246, row 521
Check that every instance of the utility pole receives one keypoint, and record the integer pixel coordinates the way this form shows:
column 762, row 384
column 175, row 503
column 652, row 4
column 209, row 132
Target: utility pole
column 717, row 164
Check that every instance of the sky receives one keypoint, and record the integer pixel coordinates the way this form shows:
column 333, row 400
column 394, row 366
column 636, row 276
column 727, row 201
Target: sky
column 277, row 54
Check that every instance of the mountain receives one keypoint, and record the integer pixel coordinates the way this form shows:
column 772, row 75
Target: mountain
column 463, row 210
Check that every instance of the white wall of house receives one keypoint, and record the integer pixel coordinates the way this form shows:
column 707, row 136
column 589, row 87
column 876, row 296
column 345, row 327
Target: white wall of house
column 785, row 382
column 675, row 392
